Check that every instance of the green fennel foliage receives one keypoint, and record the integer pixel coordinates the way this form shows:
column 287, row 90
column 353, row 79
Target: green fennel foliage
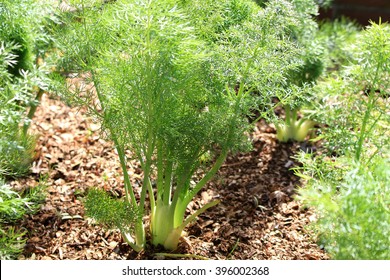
column 354, row 103
column 354, row 214
column 302, row 78
column 114, row 213
column 336, row 36
column 20, row 43
column 351, row 192
column 11, row 243
column 13, row 207
column 16, row 148
column 174, row 92
column 23, row 39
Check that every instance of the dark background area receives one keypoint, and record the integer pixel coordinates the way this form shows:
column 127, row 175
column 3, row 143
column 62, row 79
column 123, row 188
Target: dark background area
column 359, row 10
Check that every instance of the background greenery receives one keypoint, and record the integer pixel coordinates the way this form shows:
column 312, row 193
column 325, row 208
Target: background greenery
column 24, row 39
column 348, row 180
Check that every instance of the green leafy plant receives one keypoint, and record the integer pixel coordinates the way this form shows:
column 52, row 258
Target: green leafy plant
column 15, row 206
column 293, row 128
column 354, row 103
column 16, row 148
column 296, row 126
column 354, row 213
column 171, row 92
column 11, row 243
column 373, row 70
column 348, row 183
column 112, row 212
column 336, row 36
column 23, row 78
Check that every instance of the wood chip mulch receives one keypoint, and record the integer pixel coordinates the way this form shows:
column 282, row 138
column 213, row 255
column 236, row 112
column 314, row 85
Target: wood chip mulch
column 257, row 219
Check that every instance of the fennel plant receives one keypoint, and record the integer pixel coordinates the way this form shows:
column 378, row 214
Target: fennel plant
column 293, row 128
column 14, row 206
column 24, row 40
column 173, row 95
column 296, row 124
column 354, row 102
column 348, row 183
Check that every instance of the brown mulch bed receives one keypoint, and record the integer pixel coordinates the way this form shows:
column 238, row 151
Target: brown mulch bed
column 256, row 219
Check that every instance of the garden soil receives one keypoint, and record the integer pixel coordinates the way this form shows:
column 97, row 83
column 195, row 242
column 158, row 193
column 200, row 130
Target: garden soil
column 257, row 218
